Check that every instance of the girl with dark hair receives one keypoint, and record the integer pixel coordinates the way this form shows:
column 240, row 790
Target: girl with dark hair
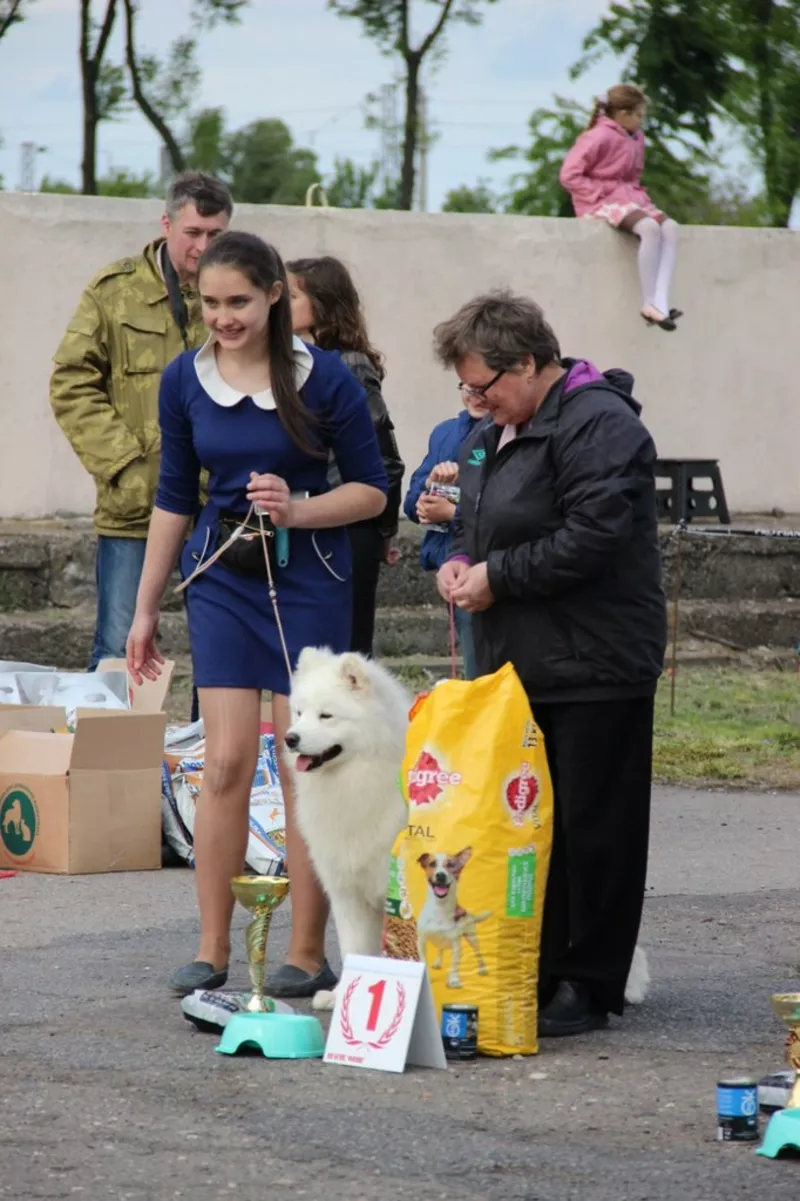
column 326, row 311
column 602, row 174
column 262, row 412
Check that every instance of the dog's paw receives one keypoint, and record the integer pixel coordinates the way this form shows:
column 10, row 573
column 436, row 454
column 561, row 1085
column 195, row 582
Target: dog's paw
column 324, row 999
column 638, row 978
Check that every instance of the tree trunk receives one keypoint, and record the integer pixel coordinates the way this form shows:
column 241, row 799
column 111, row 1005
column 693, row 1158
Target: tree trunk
column 88, row 80
column 90, row 70
column 156, row 120
column 11, row 17
column 410, row 131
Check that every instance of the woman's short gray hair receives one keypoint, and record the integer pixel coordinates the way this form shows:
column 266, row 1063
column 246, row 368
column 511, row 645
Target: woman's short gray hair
column 500, row 327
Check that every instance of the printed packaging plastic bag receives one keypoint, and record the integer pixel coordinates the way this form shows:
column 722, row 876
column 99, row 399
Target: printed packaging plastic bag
column 468, row 876
column 181, row 781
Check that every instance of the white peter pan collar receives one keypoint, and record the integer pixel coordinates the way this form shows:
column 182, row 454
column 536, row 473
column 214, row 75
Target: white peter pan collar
column 207, row 371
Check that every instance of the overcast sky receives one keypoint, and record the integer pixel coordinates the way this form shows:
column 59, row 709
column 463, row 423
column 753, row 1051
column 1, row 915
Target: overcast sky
column 296, row 60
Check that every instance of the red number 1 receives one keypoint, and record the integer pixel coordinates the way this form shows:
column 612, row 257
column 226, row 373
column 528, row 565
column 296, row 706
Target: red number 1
column 376, row 991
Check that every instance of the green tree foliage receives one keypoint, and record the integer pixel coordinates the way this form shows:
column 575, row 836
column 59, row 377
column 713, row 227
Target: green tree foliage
column 388, row 24
column 466, row 199
column 116, row 183
column 351, row 186
column 260, row 162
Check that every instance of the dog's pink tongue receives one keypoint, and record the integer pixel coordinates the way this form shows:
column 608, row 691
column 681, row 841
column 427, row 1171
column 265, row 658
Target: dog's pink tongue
column 303, row 762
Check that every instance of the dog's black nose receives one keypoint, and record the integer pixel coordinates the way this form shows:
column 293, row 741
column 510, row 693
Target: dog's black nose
column 439, row 878
column 292, row 740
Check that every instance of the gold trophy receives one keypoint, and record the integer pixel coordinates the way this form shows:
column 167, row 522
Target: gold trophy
column 277, row 1035
column 261, row 896
column 784, row 1126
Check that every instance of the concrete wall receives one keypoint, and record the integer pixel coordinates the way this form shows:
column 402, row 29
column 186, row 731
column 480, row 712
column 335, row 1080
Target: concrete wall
column 722, row 386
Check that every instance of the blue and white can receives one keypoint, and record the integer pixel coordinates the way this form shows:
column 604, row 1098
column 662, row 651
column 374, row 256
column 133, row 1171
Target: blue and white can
column 737, row 1109
column 460, row 1031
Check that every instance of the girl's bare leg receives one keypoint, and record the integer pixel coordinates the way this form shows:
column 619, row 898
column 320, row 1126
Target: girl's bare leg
column 309, row 904
column 232, row 722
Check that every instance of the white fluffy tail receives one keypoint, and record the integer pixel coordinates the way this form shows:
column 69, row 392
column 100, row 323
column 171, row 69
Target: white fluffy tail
column 638, row 978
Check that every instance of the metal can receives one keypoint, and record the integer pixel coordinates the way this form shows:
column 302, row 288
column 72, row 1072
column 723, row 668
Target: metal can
column 460, row 1031
column 737, row 1109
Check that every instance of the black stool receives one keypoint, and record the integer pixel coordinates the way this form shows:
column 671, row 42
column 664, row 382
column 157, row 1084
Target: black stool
column 681, row 501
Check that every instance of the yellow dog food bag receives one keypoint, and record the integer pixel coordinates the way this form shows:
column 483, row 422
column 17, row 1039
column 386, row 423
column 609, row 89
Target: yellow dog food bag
column 467, row 878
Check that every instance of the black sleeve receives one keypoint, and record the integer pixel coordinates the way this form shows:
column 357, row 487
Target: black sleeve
column 370, row 381
column 601, row 466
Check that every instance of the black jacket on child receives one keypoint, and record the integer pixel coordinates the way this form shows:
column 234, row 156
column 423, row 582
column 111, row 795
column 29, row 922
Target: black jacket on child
column 565, row 517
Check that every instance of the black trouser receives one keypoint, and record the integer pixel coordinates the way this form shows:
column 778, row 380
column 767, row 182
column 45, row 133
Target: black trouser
column 366, row 545
column 600, row 758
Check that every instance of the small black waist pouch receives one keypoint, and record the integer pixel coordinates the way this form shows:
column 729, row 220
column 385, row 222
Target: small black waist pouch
column 245, row 555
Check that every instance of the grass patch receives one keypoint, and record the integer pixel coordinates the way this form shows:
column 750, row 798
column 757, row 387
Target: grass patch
column 734, row 727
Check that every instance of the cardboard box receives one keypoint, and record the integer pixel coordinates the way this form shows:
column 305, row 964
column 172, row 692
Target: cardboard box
column 88, row 801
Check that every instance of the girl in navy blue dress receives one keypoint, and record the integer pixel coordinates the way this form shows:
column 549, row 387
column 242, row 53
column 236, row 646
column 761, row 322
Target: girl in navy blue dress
column 261, row 412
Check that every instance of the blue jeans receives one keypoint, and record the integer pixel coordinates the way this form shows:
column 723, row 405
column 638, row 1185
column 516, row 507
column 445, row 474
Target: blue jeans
column 464, row 629
column 118, row 571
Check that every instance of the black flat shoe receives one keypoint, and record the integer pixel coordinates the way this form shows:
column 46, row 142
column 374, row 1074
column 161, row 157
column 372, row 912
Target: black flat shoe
column 674, row 314
column 197, row 974
column 667, row 323
column 291, row 981
column 570, row 1012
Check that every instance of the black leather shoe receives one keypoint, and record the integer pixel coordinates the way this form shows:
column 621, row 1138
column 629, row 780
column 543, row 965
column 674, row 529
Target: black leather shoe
column 570, row 1012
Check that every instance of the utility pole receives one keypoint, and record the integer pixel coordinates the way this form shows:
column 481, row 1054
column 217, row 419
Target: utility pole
column 390, row 136
column 422, row 144
column 28, row 152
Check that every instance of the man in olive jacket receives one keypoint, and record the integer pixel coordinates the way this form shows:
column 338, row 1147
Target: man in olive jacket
column 134, row 318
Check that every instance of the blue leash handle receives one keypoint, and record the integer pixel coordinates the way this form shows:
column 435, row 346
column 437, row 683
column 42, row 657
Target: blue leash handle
column 282, row 547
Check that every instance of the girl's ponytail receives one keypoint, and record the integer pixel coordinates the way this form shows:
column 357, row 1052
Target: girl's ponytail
column 600, row 106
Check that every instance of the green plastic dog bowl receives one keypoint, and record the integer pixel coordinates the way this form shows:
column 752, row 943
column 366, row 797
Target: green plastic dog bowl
column 275, row 1035
column 783, row 1132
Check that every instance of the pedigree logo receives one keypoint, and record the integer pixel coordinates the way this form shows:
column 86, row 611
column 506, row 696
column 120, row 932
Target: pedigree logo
column 520, row 794
column 427, row 780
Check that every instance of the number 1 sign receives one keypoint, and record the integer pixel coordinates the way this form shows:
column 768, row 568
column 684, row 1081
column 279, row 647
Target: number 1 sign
column 384, row 1016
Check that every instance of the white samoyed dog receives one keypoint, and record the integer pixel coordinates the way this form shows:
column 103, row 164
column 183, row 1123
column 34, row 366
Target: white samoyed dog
column 345, row 744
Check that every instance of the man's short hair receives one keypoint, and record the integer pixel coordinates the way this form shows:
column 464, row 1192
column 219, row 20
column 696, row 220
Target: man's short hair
column 208, row 195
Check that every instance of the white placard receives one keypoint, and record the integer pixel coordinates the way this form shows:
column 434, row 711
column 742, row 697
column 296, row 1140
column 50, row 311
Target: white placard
column 384, row 1016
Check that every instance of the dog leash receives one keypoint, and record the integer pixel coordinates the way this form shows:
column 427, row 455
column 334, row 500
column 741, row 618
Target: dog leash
column 453, row 662
column 273, row 592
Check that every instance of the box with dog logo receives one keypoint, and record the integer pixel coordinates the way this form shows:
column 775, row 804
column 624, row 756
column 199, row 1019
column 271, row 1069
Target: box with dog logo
column 467, row 878
column 88, row 801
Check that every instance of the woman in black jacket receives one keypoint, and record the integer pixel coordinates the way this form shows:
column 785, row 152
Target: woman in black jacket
column 558, row 559
column 326, row 310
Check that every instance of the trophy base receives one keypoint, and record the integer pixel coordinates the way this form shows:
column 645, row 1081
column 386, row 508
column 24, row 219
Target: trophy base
column 783, row 1131
column 210, row 1012
column 275, row 1035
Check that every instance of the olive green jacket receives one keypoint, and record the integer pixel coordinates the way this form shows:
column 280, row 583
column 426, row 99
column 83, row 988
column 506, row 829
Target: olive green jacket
column 104, row 389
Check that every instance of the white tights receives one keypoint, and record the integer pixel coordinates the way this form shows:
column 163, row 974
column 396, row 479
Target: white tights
column 658, row 250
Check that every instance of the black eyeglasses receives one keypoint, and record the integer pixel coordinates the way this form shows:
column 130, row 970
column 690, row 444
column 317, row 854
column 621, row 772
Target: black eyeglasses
column 480, row 393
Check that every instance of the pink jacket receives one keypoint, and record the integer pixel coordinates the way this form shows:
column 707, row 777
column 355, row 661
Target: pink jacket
column 604, row 167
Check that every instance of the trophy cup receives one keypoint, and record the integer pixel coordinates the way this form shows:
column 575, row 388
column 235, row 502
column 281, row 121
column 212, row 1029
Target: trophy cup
column 276, row 1035
column 261, row 896
column 784, row 1126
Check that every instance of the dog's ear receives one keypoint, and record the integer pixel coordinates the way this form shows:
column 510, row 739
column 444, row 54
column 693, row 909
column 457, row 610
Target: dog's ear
column 353, row 668
column 311, row 657
column 461, row 860
column 423, row 861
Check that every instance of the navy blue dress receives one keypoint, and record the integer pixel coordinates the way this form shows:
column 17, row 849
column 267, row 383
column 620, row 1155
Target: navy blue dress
column 232, row 630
